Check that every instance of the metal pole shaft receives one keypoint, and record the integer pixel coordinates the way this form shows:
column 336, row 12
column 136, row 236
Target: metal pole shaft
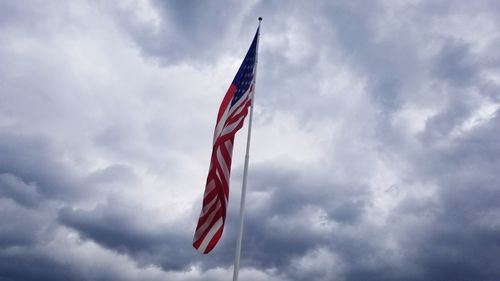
column 242, row 203
column 245, row 174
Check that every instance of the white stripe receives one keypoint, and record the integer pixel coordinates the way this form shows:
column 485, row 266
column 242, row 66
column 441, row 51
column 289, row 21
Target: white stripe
column 210, row 235
column 233, row 125
column 229, row 147
column 217, row 174
column 207, row 223
column 241, row 99
column 235, row 110
column 207, row 207
column 223, row 164
column 220, row 125
column 238, row 111
column 240, row 102
column 209, row 188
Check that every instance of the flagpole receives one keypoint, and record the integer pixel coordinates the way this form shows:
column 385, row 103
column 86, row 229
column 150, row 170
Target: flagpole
column 245, row 172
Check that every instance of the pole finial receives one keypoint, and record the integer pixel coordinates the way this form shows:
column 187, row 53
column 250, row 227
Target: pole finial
column 260, row 18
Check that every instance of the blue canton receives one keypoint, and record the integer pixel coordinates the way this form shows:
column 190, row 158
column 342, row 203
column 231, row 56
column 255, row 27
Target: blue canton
column 244, row 76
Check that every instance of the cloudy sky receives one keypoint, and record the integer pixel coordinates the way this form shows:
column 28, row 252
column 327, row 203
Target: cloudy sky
column 375, row 151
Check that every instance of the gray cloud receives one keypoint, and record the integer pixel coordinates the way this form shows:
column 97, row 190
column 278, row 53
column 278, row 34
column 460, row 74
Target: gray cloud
column 35, row 267
column 22, row 157
column 129, row 230
column 176, row 31
column 19, row 191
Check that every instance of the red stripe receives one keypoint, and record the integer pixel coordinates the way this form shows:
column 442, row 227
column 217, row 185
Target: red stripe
column 232, row 111
column 221, row 195
column 225, row 102
column 210, row 196
column 214, row 240
column 245, row 103
column 218, row 215
column 234, row 118
column 226, row 155
column 204, row 217
column 235, row 109
column 210, row 224
column 231, row 134
column 222, row 178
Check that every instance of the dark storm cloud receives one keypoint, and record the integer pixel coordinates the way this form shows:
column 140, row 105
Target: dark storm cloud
column 20, row 226
column 31, row 167
column 289, row 215
column 116, row 228
column 19, row 191
column 23, row 157
column 462, row 237
column 30, row 266
column 128, row 230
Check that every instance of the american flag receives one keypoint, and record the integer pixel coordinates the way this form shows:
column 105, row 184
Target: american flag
column 232, row 112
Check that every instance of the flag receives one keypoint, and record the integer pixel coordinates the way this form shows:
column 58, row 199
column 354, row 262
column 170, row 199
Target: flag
column 232, row 113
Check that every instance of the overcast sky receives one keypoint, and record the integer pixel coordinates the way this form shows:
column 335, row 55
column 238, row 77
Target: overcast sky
column 375, row 151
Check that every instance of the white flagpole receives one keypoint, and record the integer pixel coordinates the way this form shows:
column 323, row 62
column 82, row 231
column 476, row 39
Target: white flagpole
column 245, row 170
